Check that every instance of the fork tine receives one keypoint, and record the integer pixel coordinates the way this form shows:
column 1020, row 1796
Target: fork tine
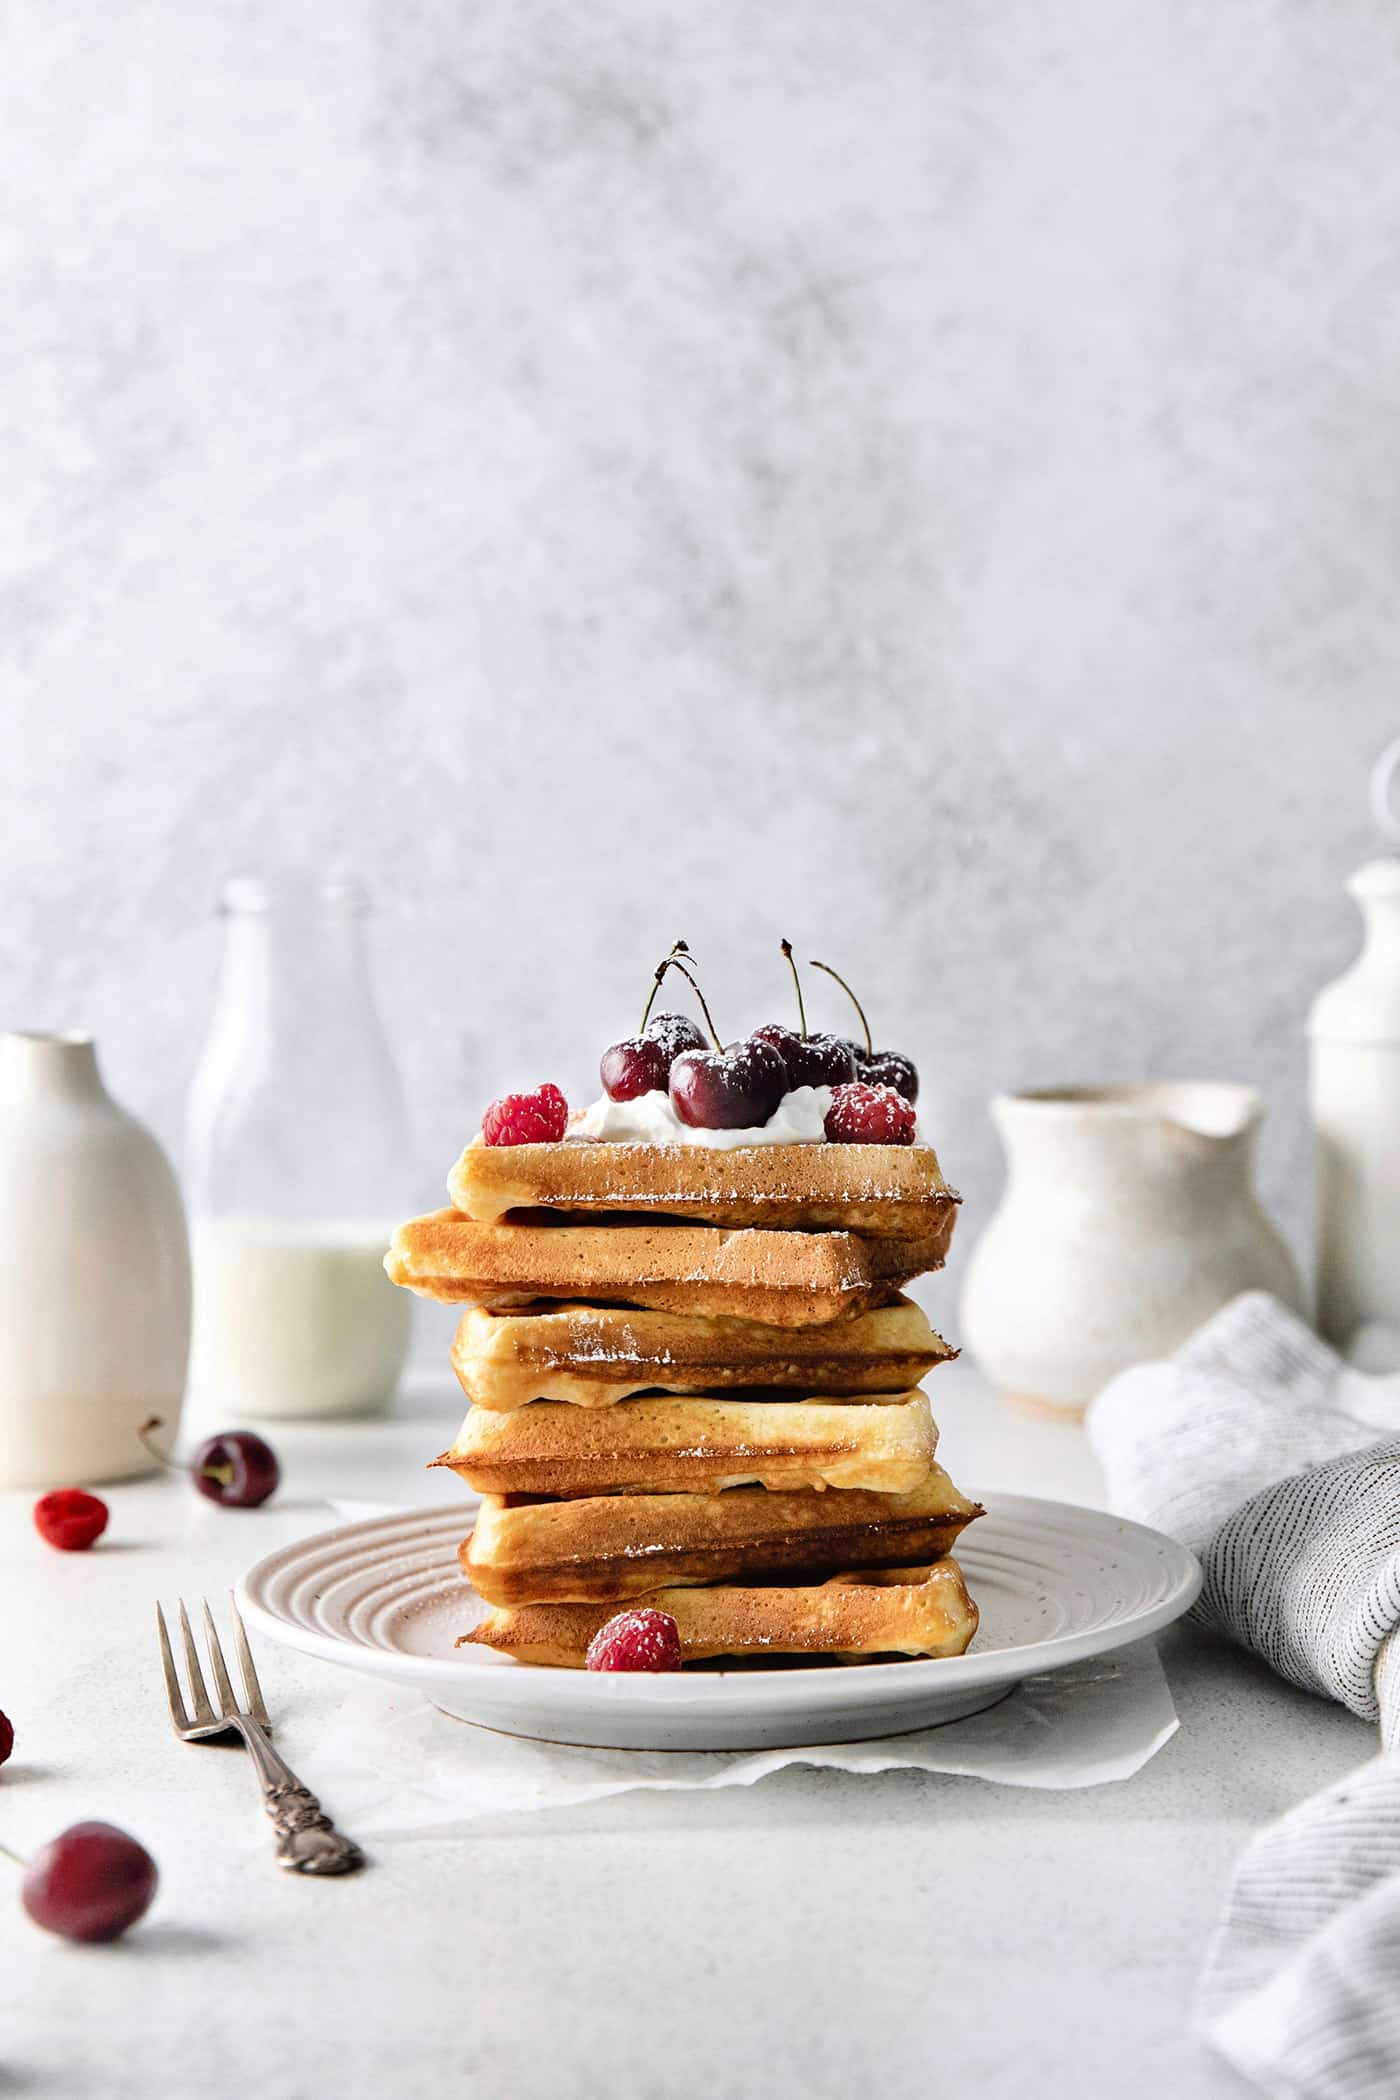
column 172, row 1682
column 252, row 1689
column 227, row 1703
column 199, row 1697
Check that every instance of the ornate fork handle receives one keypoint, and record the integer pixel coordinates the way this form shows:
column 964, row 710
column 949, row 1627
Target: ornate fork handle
column 307, row 1840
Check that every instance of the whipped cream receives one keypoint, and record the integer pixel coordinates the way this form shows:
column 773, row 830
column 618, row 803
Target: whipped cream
column 799, row 1119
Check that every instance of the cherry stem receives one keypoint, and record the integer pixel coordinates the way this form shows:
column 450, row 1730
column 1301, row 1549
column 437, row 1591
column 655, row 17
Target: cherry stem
column 786, row 947
column 677, row 948
column 172, row 1465
column 869, row 1047
column 14, row 1856
column 676, row 962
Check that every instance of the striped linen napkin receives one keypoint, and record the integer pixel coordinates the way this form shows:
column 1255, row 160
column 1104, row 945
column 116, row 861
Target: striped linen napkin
column 1279, row 1464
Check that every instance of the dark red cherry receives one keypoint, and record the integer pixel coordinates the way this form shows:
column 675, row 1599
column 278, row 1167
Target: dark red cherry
column 236, row 1469
column 811, row 1060
column 737, row 1088
column 90, row 1883
column 674, row 1032
column 636, row 1065
column 890, row 1068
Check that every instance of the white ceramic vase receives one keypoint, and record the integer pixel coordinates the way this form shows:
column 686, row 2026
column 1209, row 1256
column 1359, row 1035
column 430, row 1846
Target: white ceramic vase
column 94, row 1273
column 1129, row 1217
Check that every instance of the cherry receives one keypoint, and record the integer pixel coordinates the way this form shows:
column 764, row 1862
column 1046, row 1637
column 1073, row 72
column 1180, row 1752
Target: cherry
column 70, row 1519
column 636, row 1640
column 636, row 1065
column 880, row 1067
column 89, row 1883
column 733, row 1089
column 540, row 1118
column 7, row 1739
column 674, row 1032
column 869, row 1115
column 236, row 1468
column 811, row 1060
column 889, row 1068
column 641, row 1063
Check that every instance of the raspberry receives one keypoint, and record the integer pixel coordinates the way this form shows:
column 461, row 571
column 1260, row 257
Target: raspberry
column 636, row 1640
column 7, row 1739
column 70, row 1519
column 526, row 1119
column 869, row 1115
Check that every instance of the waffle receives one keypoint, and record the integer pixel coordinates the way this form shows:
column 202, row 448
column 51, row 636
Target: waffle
column 884, row 1191
column 608, row 1547
column 594, row 1356
column 783, row 1278
column 897, row 1611
column 677, row 1445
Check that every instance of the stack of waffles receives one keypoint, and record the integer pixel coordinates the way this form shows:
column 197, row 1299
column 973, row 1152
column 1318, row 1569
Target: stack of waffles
column 694, row 1385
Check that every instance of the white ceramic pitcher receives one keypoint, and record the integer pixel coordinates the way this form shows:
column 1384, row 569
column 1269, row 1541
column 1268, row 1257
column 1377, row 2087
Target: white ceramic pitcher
column 94, row 1272
column 1129, row 1217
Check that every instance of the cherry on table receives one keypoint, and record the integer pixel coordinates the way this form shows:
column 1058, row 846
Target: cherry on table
column 89, row 1883
column 7, row 1739
column 236, row 1468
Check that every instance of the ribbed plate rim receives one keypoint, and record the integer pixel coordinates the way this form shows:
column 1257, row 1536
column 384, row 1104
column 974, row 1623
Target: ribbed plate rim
column 464, row 1673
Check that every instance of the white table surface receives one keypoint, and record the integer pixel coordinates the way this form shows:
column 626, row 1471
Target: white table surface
column 906, row 1936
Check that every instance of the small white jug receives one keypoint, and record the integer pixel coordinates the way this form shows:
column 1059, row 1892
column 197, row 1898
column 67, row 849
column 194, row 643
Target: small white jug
column 94, row 1273
column 1129, row 1217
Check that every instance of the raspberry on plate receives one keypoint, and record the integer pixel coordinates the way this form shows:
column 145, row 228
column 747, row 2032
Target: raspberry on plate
column 70, row 1519
column 869, row 1115
column 636, row 1640
column 540, row 1118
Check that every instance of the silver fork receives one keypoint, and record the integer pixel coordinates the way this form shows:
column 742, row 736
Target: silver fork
column 307, row 1840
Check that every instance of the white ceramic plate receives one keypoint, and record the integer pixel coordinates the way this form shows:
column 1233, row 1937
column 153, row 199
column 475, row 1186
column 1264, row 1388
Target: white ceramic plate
column 1054, row 1583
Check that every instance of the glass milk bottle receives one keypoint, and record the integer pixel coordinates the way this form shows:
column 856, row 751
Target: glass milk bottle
column 1354, row 1089
column 296, row 1153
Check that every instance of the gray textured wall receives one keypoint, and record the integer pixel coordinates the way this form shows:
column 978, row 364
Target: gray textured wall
column 918, row 477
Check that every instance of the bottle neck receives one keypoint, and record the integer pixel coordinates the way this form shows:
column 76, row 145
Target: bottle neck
column 36, row 1068
column 295, row 1109
column 296, row 975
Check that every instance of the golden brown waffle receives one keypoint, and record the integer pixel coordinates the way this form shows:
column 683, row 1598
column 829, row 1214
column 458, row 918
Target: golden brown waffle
column 883, row 1191
column 896, row 1611
column 619, row 1546
column 784, row 1278
column 684, row 1445
column 596, row 1355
